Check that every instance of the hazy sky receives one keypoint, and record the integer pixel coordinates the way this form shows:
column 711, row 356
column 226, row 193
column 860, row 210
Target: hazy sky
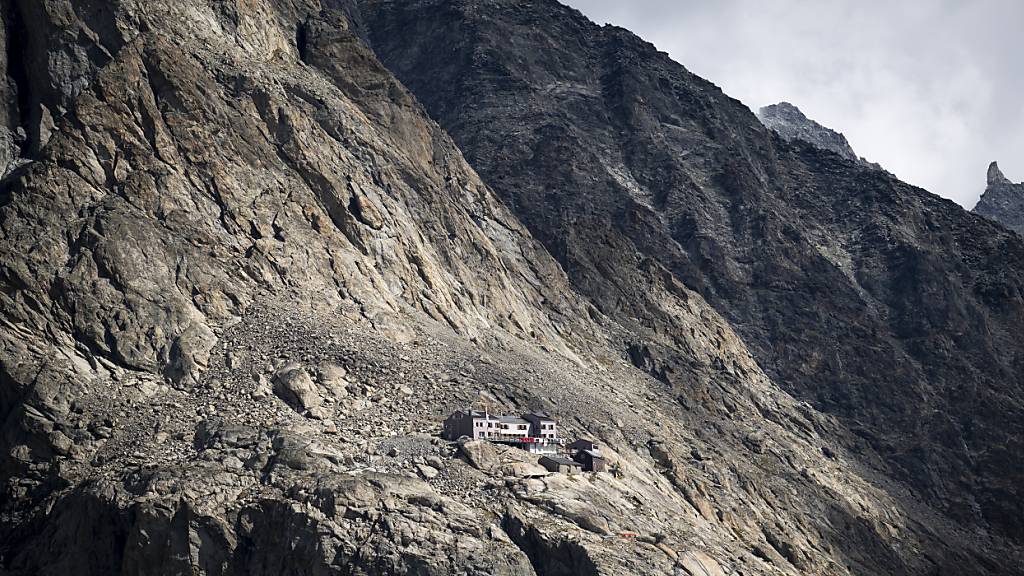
column 931, row 89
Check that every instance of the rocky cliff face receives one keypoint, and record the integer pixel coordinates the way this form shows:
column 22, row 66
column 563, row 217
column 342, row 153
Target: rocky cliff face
column 243, row 277
column 186, row 165
column 789, row 122
column 1003, row 201
column 847, row 285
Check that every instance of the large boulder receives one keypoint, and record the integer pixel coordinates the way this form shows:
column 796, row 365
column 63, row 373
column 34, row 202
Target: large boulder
column 481, row 454
column 524, row 470
column 331, row 378
column 697, row 563
column 293, row 385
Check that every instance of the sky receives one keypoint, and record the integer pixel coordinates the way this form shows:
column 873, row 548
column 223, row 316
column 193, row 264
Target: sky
column 933, row 90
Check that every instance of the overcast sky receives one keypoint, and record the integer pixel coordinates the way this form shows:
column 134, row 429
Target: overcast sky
column 931, row 89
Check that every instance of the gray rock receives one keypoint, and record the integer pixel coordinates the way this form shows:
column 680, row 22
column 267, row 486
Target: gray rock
column 293, row 385
column 677, row 211
column 480, row 454
column 1003, row 200
column 697, row 563
column 194, row 179
column 427, row 472
column 61, row 443
column 790, row 123
column 331, row 377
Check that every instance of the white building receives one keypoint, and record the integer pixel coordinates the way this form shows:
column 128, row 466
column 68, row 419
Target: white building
column 542, row 425
column 536, row 432
column 512, row 427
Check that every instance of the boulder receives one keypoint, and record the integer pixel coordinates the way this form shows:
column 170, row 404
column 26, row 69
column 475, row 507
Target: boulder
column 480, row 454
column 523, row 470
column 216, row 433
column 332, row 378
column 428, row 472
column 697, row 563
column 293, row 385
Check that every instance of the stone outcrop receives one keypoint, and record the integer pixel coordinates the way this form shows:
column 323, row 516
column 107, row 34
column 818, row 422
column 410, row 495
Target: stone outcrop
column 1002, row 201
column 183, row 164
column 995, row 176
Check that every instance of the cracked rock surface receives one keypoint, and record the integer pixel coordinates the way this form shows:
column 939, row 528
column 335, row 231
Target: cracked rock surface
column 1003, row 200
column 244, row 276
column 876, row 302
column 790, row 123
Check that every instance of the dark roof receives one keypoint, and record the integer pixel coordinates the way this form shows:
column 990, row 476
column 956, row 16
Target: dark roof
column 479, row 414
column 561, row 460
column 499, row 417
column 540, row 416
column 512, row 420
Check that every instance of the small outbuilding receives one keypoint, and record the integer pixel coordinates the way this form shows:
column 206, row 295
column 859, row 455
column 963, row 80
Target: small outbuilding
column 560, row 464
column 592, row 460
column 588, row 453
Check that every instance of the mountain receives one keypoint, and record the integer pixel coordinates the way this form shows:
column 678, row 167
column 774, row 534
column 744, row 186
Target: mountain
column 1003, row 201
column 253, row 253
column 789, row 122
column 207, row 216
column 847, row 285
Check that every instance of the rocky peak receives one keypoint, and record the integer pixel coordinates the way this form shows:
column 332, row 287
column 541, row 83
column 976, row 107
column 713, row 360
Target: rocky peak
column 1003, row 200
column 789, row 122
column 995, row 175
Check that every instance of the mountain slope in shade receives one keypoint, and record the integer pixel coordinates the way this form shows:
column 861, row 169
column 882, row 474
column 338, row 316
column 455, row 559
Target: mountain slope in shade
column 1002, row 201
column 877, row 302
column 244, row 276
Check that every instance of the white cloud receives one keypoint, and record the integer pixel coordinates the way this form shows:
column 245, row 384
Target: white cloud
column 930, row 90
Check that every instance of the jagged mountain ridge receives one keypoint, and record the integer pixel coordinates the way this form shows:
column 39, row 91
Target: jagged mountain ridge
column 789, row 122
column 244, row 276
column 1002, row 201
column 847, row 285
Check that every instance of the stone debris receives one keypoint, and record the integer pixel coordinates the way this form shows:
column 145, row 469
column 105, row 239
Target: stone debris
column 244, row 276
column 294, row 385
